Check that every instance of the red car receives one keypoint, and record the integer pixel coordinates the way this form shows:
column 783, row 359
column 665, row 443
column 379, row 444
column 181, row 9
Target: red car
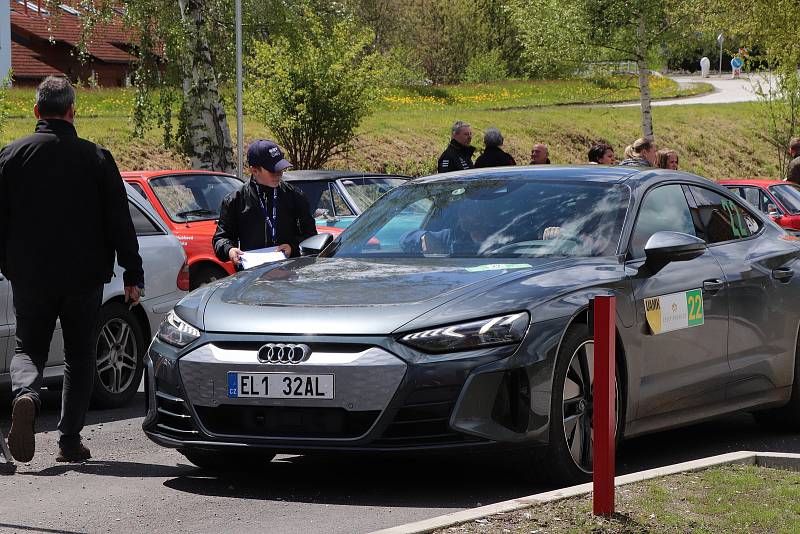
column 188, row 201
column 779, row 199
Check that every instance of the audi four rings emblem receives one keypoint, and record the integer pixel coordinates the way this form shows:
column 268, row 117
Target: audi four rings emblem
column 283, row 353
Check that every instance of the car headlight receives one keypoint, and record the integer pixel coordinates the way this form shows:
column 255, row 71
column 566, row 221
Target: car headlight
column 503, row 330
column 176, row 331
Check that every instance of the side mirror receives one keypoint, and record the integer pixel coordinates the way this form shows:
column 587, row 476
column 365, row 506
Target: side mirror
column 315, row 244
column 665, row 247
column 772, row 211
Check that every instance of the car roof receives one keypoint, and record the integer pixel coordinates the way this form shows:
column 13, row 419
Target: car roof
column 326, row 175
column 147, row 175
column 616, row 174
column 761, row 182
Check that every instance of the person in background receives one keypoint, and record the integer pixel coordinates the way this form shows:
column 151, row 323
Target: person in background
column 667, row 159
column 263, row 212
column 645, row 153
column 628, row 153
column 458, row 154
column 64, row 220
column 539, row 154
column 602, row 154
column 493, row 155
column 794, row 165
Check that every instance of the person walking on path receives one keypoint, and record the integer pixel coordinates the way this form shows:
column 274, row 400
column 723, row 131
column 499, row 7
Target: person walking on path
column 265, row 211
column 644, row 152
column 493, row 155
column 794, row 166
column 64, row 194
column 458, row 154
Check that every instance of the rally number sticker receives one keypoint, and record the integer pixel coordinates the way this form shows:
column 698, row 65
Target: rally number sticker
column 675, row 311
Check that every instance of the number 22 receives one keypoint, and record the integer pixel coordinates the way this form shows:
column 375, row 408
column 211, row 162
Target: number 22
column 695, row 307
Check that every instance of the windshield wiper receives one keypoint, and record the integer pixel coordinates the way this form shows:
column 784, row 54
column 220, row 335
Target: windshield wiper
column 199, row 211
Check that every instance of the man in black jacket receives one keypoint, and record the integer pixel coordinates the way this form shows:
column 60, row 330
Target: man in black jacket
column 63, row 218
column 458, row 154
column 264, row 212
column 493, row 155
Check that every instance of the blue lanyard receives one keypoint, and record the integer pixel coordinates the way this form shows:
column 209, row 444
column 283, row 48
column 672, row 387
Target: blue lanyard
column 272, row 221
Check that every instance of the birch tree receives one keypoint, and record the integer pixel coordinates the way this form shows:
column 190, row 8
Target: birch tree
column 565, row 36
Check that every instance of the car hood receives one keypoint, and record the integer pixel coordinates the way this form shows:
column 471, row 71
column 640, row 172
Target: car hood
column 348, row 296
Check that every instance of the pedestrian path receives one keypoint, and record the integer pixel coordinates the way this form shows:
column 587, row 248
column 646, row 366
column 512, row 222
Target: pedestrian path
column 726, row 91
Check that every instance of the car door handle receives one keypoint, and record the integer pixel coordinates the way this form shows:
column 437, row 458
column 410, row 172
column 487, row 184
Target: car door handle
column 784, row 274
column 714, row 285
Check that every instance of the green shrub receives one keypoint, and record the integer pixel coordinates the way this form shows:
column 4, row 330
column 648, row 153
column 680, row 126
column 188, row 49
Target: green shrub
column 486, row 67
column 313, row 88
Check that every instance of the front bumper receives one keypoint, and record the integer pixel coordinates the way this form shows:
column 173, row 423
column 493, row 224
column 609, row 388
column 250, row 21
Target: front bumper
column 387, row 396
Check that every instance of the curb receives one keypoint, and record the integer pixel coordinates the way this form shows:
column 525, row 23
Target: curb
column 775, row 460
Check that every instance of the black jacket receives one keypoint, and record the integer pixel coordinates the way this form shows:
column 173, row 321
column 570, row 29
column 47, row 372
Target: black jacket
column 794, row 170
column 242, row 224
column 64, row 212
column 456, row 157
column 494, row 156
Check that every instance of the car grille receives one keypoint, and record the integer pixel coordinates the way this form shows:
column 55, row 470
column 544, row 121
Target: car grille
column 286, row 422
column 423, row 420
column 173, row 417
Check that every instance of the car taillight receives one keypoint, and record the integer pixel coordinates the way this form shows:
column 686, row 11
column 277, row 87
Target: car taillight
column 183, row 277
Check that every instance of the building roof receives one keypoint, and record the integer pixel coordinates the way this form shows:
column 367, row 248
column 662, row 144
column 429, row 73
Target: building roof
column 41, row 39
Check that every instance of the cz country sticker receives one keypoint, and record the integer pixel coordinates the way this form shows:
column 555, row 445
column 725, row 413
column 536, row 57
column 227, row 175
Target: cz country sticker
column 675, row 311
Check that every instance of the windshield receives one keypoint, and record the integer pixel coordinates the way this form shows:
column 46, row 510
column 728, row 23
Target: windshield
column 516, row 218
column 193, row 197
column 365, row 191
column 788, row 195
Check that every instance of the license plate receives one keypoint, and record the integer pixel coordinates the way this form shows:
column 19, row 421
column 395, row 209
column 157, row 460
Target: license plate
column 279, row 386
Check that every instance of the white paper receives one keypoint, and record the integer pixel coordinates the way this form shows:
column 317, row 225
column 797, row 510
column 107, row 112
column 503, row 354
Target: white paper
column 252, row 258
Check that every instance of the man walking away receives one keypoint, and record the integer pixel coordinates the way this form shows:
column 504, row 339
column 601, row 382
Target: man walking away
column 493, row 155
column 644, row 154
column 458, row 154
column 794, row 165
column 64, row 194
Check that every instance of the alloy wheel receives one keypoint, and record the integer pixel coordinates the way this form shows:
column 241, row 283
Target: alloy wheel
column 578, row 405
column 116, row 355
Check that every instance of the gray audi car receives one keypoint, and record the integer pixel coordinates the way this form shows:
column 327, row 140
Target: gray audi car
column 455, row 313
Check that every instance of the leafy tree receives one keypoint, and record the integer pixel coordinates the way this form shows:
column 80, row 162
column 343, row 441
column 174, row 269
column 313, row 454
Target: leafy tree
column 563, row 36
column 313, row 88
column 769, row 30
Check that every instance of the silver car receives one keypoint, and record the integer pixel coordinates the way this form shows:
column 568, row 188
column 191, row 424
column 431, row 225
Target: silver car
column 123, row 334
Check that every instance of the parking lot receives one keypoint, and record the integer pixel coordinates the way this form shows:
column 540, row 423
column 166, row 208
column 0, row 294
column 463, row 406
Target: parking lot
column 133, row 485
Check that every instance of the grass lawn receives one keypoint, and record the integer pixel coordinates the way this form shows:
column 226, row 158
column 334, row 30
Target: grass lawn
column 732, row 499
column 717, row 141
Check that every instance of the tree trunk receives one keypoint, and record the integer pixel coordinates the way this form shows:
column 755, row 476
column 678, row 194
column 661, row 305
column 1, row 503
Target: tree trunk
column 644, row 79
column 208, row 137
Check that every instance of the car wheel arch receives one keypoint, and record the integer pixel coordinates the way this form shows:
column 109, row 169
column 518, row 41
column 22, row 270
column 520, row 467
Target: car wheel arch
column 139, row 313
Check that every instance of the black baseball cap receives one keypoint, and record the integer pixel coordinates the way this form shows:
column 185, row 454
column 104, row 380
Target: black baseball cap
column 266, row 154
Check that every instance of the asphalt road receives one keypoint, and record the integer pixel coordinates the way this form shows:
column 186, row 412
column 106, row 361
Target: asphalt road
column 132, row 485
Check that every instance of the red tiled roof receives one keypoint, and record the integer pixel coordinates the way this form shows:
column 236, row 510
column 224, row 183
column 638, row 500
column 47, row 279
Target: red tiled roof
column 66, row 28
column 26, row 65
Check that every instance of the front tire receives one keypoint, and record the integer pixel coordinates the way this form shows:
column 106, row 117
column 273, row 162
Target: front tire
column 567, row 459
column 119, row 348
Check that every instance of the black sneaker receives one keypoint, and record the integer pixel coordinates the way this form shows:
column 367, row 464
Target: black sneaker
column 21, row 440
column 73, row 452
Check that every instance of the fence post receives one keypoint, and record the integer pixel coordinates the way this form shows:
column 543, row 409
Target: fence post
column 604, row 402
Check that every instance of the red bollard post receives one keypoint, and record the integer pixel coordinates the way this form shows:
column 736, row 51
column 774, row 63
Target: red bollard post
column 604, row 402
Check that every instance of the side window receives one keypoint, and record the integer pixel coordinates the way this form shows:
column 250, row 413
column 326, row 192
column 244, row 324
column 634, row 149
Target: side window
column 338, row 202
column 722, row 219
column 663, row 209
column 141, row 222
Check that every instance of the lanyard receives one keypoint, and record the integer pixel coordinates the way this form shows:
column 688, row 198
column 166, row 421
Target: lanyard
column 272, row 221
